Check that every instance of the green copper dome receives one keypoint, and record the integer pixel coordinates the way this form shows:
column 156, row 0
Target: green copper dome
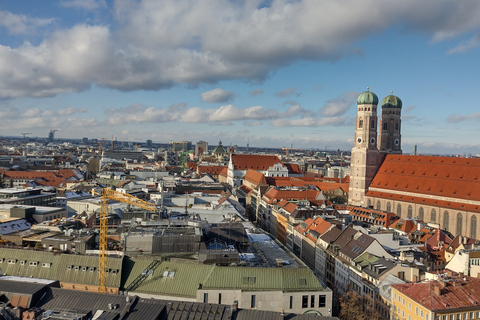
column 391, row 101
column 367, row 97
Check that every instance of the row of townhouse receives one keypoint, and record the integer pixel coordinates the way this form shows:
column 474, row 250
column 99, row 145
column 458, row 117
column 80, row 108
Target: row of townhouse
column 349, row 260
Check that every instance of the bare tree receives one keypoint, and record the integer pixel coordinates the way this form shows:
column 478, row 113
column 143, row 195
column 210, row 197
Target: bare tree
column 93, row 166
column 353, row 307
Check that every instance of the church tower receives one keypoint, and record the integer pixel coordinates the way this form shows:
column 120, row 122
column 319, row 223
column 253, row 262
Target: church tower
column 390, row 125
column 365, row 158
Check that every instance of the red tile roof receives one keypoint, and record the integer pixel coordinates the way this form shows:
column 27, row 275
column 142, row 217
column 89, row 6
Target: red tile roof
column 293, row 168
column 253, row 161
column 273, row 195
column 374, row 216
column 57, row 178
column 211, row 170
column 433, row 176
column 454, row 294
column 307, row 181
column 405, row 225
column 224, row 172
column 245, row 189
column 254, row 177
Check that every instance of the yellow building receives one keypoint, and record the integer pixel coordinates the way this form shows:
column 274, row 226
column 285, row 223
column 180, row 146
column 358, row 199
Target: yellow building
column 453, row 297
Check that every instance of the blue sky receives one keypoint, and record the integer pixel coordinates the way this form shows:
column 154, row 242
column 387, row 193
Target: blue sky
column 273, row 73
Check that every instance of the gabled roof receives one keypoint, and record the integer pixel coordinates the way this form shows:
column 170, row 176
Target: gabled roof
column 345, row 237
column 245, row 189
column 293, row 168
column 224, row 172
column 405, row 225
column 460, row 240
column 331, row 235
column 438, row 240
column 357, row 246
column 428, row 175
column 454, row 293
column 253, row 161
column 254, row 177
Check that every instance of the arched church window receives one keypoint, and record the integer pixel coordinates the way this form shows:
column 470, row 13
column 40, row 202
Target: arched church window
column 360, row 123
column 369, row 203
column 433, row 216
column 399, row 210
column 410, row 212
column 420, row 213
column 459, row 223
column 445, row 220
column 373, row 124
column 473, row 227
column 379, row 206
column 389, row 207
column 396, row 125
column 384, row 126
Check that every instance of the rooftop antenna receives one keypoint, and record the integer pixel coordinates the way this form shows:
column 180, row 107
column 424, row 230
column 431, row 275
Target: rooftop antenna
column 24, row 134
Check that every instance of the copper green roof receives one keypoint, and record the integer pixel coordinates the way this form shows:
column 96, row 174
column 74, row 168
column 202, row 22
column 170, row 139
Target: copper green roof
column 71, row 268
column 391, row 101
column 263, row 279
column 219, row 149
column 168, row 278
column 367, row 97
column 184, row 279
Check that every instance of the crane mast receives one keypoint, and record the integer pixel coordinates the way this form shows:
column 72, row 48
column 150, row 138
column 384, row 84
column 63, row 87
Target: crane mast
column 108, row 194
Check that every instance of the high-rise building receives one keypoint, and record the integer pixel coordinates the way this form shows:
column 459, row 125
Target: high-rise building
column 181, row 146
column 201, row 147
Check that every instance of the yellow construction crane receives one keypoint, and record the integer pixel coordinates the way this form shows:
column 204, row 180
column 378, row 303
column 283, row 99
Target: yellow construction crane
column 108, row 194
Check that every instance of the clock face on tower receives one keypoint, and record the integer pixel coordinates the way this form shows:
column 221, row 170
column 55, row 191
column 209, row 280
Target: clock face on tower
column 359, row 140
column 397, row 142
column 372, row 140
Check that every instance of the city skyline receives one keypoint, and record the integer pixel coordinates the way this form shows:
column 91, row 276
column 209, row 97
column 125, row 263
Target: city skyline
column 267, row 73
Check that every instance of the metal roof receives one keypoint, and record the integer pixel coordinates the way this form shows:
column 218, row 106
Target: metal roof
column 177, row 279
column 62, row 267
column 263, row 279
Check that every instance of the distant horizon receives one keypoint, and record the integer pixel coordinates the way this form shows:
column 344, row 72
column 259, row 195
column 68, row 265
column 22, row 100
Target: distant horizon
column 212, row 145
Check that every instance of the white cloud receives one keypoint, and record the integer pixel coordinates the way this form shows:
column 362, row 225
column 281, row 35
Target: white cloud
column 84, row 4
column 340, row 105
column 139, row 113
column 68, row 61
column 312, row 122
column 455, row 118
column 466, row 46
column 19, row 23
column 217, row 96
column 155, row 44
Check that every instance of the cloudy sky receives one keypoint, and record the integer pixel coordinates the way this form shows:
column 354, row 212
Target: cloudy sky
column 270, row 72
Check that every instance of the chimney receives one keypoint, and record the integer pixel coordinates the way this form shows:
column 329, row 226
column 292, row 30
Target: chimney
column 437, row 290
column 235, row 306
